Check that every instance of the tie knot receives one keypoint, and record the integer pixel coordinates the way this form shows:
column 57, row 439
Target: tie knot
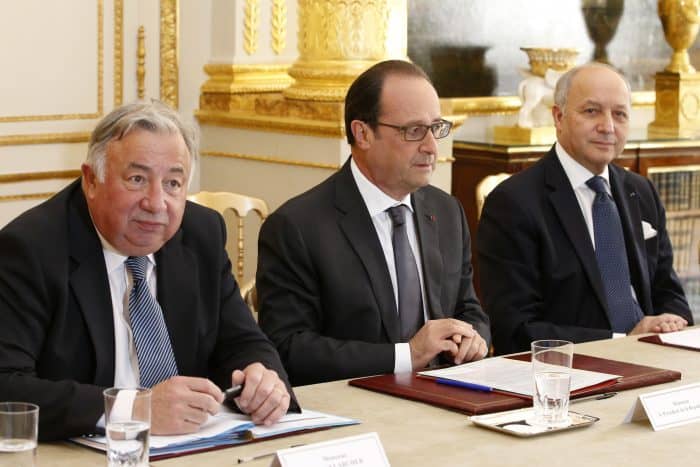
column 137, row 266
column 397, row 215
column 597, row 184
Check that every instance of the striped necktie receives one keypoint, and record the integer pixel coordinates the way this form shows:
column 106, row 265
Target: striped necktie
column 153, row 348
column 610, row 252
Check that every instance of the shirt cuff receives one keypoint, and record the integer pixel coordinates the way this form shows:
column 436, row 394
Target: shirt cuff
column 402, row 358
column 617, row 335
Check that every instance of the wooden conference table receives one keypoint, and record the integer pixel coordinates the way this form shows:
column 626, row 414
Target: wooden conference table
column 416, row 434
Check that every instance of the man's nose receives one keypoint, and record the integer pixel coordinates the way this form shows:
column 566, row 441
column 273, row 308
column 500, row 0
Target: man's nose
column 154, row 199
column 606, row 124
column 429, row 143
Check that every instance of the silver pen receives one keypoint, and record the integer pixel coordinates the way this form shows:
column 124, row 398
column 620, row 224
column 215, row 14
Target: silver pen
column 606, row 395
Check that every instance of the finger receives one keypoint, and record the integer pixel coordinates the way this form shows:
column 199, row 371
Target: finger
column 204, row 403
column 462, row 351
column 263, row 393
column 279, row 411
column 272, row 403
column 473, row 351
column 204, row 386
column 195, row 416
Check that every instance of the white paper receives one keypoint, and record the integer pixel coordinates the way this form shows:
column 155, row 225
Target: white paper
column 360, row 450
column 688, row 338
column 506, row 374
column 227, row 421
column 668, row 408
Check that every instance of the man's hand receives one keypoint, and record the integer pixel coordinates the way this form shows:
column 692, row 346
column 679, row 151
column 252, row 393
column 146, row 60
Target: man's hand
column 265, row 397
column 436, row 336
column 665, row 322
column 181, row 404
column 470, row 349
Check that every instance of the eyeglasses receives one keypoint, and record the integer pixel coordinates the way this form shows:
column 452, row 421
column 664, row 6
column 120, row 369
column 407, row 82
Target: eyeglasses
column 439, row 129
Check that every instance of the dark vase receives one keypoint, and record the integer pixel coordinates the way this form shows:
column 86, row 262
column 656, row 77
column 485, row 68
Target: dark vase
column 602, row 18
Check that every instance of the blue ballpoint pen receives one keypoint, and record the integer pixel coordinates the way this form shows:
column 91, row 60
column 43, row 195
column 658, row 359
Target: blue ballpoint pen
column 463, row 384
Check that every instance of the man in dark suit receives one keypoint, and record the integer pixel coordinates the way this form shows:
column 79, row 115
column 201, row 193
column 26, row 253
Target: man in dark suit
column 65, row 291
column 337, row 295
column 575, row 247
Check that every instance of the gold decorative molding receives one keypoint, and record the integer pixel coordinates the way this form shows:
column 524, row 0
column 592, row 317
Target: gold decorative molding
column 338, row 39
column 34, row 176
column 271, row 160
column 501, row 105
column 100, row 93
column 278, row 26
column 44, row 138
column 251, row 23
column 26, row 196
column 169, row 53
column 141, row 63
column 118, row 52
column 275, row 124
column 295, row 163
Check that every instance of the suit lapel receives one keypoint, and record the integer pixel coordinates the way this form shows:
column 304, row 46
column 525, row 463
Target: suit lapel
column 357, row 226
column 177, row 278
column 90, row 285
column 627, row 201
column 429, row 244
column 568, row 210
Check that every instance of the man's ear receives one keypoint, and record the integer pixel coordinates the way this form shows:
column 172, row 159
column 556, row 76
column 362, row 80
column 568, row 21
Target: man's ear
column 557, row 115
column 362, row 134
column 89, row 180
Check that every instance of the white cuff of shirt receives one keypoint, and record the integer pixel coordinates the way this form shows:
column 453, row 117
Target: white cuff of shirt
column 617, row 335
column 402, row 358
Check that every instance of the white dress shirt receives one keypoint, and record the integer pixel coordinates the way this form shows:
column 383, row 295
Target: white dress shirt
column 126, row 365
column 377, row 202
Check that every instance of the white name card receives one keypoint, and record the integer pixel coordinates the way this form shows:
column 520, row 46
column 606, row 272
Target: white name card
column 668, row 408
column 363, row 450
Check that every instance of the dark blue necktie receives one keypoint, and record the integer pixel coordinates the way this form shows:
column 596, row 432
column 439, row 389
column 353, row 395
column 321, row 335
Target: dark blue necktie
column 151, row 338
column 410, row 299
column 610, row 252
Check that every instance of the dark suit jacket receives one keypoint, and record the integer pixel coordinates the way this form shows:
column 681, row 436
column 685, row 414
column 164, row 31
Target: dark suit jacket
column 57, row 332
column 326, row 298
column 539, row 275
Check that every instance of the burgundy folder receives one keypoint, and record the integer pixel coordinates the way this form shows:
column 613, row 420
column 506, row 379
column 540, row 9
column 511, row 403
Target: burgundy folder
column 655, row 339
column 471, row 402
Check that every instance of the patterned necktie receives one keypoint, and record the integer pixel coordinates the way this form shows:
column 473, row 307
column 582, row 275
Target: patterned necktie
column 410, row 299
column 153, row 348
column 610, row 252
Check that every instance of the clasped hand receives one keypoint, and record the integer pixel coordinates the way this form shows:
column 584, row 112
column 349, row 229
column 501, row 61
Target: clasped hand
column 449, row 335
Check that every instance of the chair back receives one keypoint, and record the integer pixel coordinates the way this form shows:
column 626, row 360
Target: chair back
column 485, row 186
column 241, row 206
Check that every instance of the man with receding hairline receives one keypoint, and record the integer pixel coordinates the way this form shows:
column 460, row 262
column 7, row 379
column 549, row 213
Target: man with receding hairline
column 119, row 281
column 370, row 271
column 575, row 247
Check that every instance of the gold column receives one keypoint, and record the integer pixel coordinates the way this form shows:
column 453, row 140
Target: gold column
column 338, row 39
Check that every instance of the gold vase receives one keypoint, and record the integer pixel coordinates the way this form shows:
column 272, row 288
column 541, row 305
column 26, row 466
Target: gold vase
column 679, row 19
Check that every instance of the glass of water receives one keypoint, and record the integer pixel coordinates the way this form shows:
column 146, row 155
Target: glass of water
column 127, row 425
column 551, row 372
column 18, row 432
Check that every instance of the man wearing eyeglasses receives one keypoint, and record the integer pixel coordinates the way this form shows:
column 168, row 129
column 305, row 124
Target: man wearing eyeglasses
column 370, row 271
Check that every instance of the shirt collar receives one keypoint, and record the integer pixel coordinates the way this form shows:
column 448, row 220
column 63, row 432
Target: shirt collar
column 375, row 199
column 577, row 174
column 113, row 258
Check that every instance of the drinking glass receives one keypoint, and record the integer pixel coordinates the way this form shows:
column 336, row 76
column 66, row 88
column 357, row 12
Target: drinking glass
column 127, row 425
column 18, row 433
column 551, row 371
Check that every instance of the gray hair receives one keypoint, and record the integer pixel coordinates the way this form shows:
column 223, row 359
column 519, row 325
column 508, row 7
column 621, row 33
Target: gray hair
column 153, row 116
column 561, row 91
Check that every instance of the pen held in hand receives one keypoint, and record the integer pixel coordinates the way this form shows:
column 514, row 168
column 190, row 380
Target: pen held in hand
column 231, row 393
